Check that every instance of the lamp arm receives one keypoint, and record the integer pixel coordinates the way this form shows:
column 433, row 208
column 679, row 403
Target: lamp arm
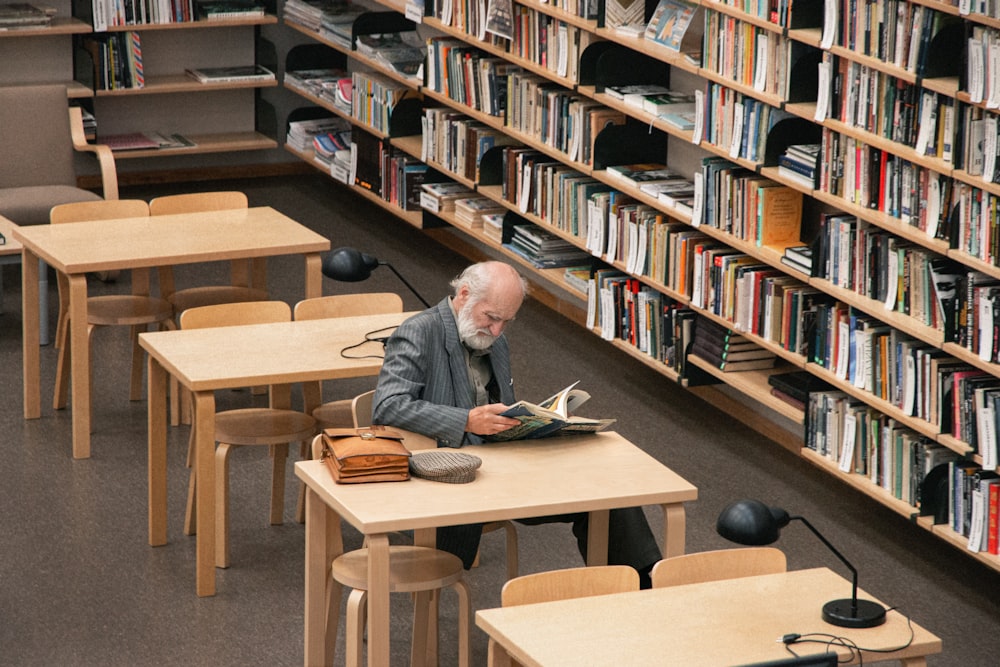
column 405, row 282
column 854, row 572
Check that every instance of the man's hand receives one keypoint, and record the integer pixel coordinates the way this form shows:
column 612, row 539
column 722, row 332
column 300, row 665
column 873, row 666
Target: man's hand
column 486, row 420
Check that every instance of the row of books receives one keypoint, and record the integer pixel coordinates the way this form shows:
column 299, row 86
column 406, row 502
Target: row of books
column 892, row 31
column 547, row 42
column 456, row 142
column 865, row 442
column 467, row 75
column 622, row 308
column 373, row 98
column 975, row 222
column 738, row 123
column 877, row 179
column 871, row 262
column 749, row 207
column 104, row 14
column 117, row 60
column 750, row 55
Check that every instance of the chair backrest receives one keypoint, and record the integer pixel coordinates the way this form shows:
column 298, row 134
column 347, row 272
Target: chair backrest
column 577, row 582
column 232, row 314
column 35, row 139
column 348, row 305
column 703, row 566
column 361, row 408
column 107, row 209
column 197, row 201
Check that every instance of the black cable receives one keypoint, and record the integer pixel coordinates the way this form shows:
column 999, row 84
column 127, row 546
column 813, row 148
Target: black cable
column 370, row 337
column 829, row 640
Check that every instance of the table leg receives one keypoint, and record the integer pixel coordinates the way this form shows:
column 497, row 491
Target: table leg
column 597, row 537
column 674, row 527
column 43, row 303
column 80, row 366
column 157, row 426
column 29, row 347
column 203, row 424
column 324, row 542
column 378, row 600
column 314, row 275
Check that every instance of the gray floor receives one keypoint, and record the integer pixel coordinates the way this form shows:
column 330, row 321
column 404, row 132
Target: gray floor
column 80, row 586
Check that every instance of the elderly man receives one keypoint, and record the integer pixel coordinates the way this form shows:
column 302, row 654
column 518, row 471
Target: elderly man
column 447, row 375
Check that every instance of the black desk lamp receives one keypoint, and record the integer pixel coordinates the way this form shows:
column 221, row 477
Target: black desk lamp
column 751, row 522
column 350, row 265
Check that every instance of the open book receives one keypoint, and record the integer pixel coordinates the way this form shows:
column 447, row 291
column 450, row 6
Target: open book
column 553, row 416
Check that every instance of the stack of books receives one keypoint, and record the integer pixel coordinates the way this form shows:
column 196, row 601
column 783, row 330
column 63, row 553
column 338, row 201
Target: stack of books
column 799, row 257
column 644, row 173
column 794, row 387
column 798, row 163
column 223, row 10
column 493, row 226
column 21, row 16
column 470, row 210
column 333, row 146
column 727, row 350
column 336, row 23
column 437, row 197
column 236, row 74
column 302, row 132
column 320, row 82
column 403, row 52
column 544, row 249
column 309, row 13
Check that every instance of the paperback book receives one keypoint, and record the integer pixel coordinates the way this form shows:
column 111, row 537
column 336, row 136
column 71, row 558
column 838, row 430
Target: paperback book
column 239, row 73
column 669, row 22
column 553, row 416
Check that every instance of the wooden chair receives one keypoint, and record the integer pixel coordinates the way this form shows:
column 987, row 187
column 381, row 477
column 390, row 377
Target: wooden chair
column 703, row 566
column 131, row 310
column 361, row 411
column 576, row 582
column 420, row 571
column 243, row 277
column 239, row 291
column 272, row 427
column 337, row 414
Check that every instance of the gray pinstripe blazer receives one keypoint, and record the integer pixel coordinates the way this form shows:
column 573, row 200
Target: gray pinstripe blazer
column 424, row 383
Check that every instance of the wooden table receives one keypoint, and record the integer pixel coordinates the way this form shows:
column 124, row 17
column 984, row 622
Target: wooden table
column 76, row 249
column 206, row 360
column 590, row 473
column 715, row 624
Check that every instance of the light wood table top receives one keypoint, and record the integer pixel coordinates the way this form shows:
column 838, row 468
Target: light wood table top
column 714, row 624
column 521, row 479
column 205, row 360
column 76, row 249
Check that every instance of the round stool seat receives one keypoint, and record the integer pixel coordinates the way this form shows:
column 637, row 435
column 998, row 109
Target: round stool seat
column 335, row 414
column 127, row 310
column 411, row 569
column 263, row 426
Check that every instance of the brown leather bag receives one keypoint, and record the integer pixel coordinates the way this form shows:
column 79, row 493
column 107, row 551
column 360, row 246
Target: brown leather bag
column 365, row 455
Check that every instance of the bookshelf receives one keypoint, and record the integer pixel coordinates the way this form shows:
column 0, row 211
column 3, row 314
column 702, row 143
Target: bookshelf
column 791, row 97
column 43, row 55
column 216, row 117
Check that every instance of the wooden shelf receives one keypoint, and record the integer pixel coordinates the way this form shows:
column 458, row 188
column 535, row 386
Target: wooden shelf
column 207, row 143
column 181, row 83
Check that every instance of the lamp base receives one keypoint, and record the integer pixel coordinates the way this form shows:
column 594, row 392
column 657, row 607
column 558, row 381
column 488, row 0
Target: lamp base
column 867, row 614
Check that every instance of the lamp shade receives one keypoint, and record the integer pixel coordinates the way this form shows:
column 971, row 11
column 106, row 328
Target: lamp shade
column 349, row 265
column 751, row 522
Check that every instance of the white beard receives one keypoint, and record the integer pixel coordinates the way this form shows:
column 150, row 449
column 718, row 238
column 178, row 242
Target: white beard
column 476, row 339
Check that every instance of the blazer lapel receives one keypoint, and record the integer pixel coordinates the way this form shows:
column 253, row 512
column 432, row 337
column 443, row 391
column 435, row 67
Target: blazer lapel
column 456, row 358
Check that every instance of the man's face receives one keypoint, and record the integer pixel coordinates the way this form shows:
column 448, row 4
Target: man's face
column 481, row 322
